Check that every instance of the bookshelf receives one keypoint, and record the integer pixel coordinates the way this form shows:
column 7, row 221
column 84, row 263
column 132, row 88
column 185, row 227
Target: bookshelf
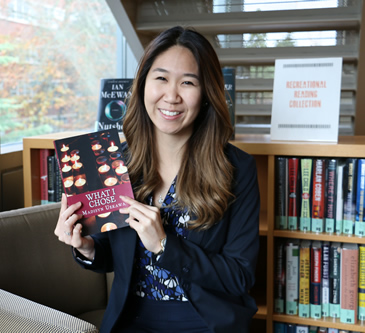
column 264, row 152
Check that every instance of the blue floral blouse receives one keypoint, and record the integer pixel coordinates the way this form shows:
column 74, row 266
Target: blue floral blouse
column 152, row 281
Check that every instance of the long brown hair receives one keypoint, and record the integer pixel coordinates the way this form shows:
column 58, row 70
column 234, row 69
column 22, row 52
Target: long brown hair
column 205, row 176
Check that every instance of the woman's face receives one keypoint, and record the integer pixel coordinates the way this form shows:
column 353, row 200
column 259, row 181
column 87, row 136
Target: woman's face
column 173, row 92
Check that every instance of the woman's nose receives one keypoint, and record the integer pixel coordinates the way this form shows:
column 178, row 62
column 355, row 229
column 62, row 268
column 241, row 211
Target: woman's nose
column 172, row 95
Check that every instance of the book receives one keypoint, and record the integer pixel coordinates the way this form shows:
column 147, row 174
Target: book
column 279, row 288
column 306, row 186
column 335, row 278
column 51, row 168
column 325, row 279
column 113, row 102
column 330, row 188
column 304, row 278
column 360, row 192
column 292, row 277
column 316, row 279
column 281, row 193
column 302, row 329
column 43, row 174
column 318, row 208
column 349, row 283
column 361, row 286
column 291, row 328
column 293, row 178
column 280, row 328
column 93, row 171
column 332, row 330
column 312, row 329
column 349, row 204
column 229, row 76
column 339, row 197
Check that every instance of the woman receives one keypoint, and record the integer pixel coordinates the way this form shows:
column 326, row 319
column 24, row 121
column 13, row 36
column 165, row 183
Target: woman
column 187, row 262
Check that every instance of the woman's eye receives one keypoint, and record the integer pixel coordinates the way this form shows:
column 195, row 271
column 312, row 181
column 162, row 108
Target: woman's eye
column 188, row 83
column 161, row 78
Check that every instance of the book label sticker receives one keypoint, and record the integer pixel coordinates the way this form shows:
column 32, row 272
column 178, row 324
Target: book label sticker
column 339, row 227
column 359, row 229
column 291, row 308
column 347, row 227
column 304, row 310
column 347, row 316
column 293, row 224
column 335, row 310
column 306, row 99
column 330, row 226
column 279, row 306
column 317, row 225
column 316, row 311
column 305, row 224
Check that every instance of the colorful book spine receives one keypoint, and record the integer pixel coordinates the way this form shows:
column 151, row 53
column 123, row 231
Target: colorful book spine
column 325, row 279
column 312, row 329
column 293, row 178
column 302, row 329
column 292, row 277
column 359, row 224
column 339, row 197
column 319, row 182
column 330, row 211
column 306, row 182
column 335, row 279
column 349, row 283
column 51, row 168
column 43, row 174
column 316, row 279
column 361, row 290
column 281, row 189
column 349, row 205
column 279, row 291
column 304, row 279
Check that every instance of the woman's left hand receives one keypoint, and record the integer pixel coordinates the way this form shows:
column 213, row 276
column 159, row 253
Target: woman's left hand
column 146, row 221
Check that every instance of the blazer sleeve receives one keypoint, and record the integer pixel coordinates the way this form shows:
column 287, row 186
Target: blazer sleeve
column 223, row 258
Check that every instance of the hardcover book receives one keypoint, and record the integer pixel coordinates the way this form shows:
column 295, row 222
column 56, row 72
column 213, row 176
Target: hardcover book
column 318, row 208
column 94, row 172
column 281, row 189
column 330, row 211
column 279, row 291
column 113, row 100
column 335, row 279
column 293, row 176
column 359, row 224
column 292, row 277
column 304, row 278
column 316, row 279
column 306, row 187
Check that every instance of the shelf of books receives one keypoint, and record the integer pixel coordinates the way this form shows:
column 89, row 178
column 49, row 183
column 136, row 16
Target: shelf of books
column 311, row 268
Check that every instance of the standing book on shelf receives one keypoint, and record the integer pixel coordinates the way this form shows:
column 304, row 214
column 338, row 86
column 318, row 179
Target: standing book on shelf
column 304, row 278
column 279, row 291
column 302, row 329
column 330, row 188
column 335, row 279
column 281, row 193
column 361, row 289
column 318, row 197
column 349, row 282
column 293, row 177
column 360, row 221
column 94, row 171
column 306, row 186
column 43, row 174
column 339, row 197
column 325, row 279
column 113, row 101
column 292, row 277
column 229, row 76
column 349, row 196
column 316, row 280
column 51, row 168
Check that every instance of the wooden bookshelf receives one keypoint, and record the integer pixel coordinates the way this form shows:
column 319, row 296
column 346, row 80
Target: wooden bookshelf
column 265, row 151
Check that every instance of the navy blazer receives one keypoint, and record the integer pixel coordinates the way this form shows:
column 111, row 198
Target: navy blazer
column 215, row 267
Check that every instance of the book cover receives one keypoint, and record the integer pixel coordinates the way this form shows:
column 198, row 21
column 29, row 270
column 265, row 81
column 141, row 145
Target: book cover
column 361, row 290
column 113, row 101
column 349, row 283
column 293, row 177
column 93, row 171
column 304, row 278
column 43, row 174
column 359, row 224
column 316, row 279
column 330, row 188
column 339, row 197
column 306, row 186
column 229, row 76
column 292, row 277
column 335, row 278
column 279, row 288
column 281, row 193
column 318, row 197
column 325, row 279
column 349, row 196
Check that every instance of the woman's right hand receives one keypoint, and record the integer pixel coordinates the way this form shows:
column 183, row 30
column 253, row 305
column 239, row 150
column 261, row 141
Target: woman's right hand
column 69, row 231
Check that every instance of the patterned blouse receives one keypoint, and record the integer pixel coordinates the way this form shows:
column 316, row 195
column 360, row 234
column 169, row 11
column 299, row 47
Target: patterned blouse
column 152, row 281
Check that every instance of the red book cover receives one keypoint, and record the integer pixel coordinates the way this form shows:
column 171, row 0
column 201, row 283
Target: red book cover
column 293, row 164
column 319, row 179
column 93, row 171
column 316, row 273
column 43, row 174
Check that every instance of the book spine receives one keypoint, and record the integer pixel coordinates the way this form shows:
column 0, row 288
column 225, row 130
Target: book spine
column 281, row 189
column 335, row 278
column 280, row 328
column 291, row 328
column 325, row 279
column 302, row 329
column 318, row 208
column 43, row 174
column 312, row 329
column 339, row 198
column 293, row 168
column 316, row 279
column 349, row 205
column 332, row 330
column 292, row 277
column 349, row 283
column 279, row 291
column 51, row 178
column 359, row 224
column 305, row 211
column 361, row 290
column 58, row 184
column 304, row 279
column 330, row 211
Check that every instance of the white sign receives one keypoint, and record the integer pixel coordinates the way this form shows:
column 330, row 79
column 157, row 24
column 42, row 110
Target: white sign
column 306, row 99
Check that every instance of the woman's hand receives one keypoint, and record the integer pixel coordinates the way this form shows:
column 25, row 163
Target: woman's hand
column 68, row 230
column 146, row 221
